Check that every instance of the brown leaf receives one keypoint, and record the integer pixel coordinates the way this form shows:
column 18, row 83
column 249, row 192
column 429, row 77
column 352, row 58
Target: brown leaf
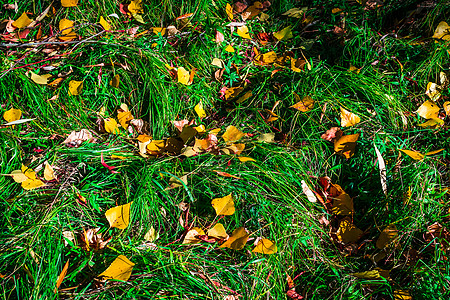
column 332, row 134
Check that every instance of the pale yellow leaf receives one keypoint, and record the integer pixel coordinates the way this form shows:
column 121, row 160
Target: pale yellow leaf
column 382, row 168
column 111, row 126
column 12, row 115
column 284, row 34
column 218, row 231
column 442, row 31
column 120, row 269
column 119, row 216
column 75, row 87
column 265, row 246
column 242, row 31
column 308, row 192
column 428, row 110
column 298, row 13
column 49, row 173
column 31, row 184
column 217, row 62
column 433, row 123
column 40, row 79
column 69, row 3
column 232, row 134
column 18, row 176
column 199, row 110
column 22, row 22
column 433, row 91
column 151, row 235
column 237, row 240
column 224, row 206
column 104, row 23
column 369, row 275
column 140, row 19
column 191, row 236
column 348, row 118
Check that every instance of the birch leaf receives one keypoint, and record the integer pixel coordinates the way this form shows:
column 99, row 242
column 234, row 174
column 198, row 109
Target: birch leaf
column 265, row 246
column 224, row 206
column 119, row 216
column 120, row 269
column 237, row 240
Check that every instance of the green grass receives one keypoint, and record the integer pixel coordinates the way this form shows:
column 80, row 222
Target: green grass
column 391, row 85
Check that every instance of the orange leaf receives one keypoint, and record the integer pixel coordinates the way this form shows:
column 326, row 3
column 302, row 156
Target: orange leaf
column 346, row 145
column 61, row 276
column 237, row 240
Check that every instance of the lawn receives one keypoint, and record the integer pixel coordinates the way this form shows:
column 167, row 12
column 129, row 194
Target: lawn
column 225, row 150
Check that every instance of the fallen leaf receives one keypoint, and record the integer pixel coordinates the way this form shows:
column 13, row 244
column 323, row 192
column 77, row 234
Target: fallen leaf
column 124, row 118
column 229, row 48
column 91, row 239
column 348, row 232
column 442, row 31
column 61, row 276
column 342, row 204
column 22, row 22
column 224, row 206
column 120, row 269
column 119, row 216
column 267, row 138
column 303, row 105
column 200, row 129
column 296, row 12
column 191, row 236
column 348, row 119
column 111, row 126
column 382, row 168
column 243, row 32
column 446, row 106
column 55, row 83
column 12, row 115
column 245, row 159
column 230, row 93
column 266, row 58
column 49, row 173
column 369, row 275
column 284, row 34
column 114, row 82
column 139, row 18
column 175, row 182
column 69, row 3
column 265, row 246
column 232, row 134
column 332, row 134
column 104, row 24
column 229, row 11
column 237, row 240
column 234, row 149
column 135, row 7
column 199, row 110
column 413, row 154
column 249, row 94
column 219, row 37
column 225, row 174
column 32, row 184
column 433, row 122
column 252, row 11
column 76, row 138
column 151, row 235
column 428, row 110
column 433, row 91
column 217, row 62
column 387, row 236
column 40, row 79
column 18, row 176
column 183, row 76
column 75, row 87
column 218, row 231
column 434, row 152
column 402, row 295
column 66, row 29
column 308, row 192
column 346, row 145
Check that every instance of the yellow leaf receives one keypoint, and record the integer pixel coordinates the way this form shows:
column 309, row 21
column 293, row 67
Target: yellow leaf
column 442, row 31
column 232, row 134
column 215, row 131
column 119, row 216
column 434, row 152
column 369, row 275
column 242, row 31
column 298, row 65
column 199, row 110
column 218, row 231
column 402, row 295
column 217, row 62
column 31, row 184
column 61, row 276
column 354, row 69
column 111, row 126
column 446, row 106
column 283, row 34
column 303, row 105
column 343, row 204
column 18, row 176
column 66, row 28
column 200, row 129
column 49, row 173
column 387, row 236
column 104, row 23
column 183, row 76
column 336, row 10
column 22, row 22
column 266, row 58
column 140, row 19
column 12, row 115
column 40, row 79
column 229, row 48
column 124, row 118
column 237, row 240
column 159, row 30
column 151, row 235
column 233, row 92
column 191, row 236
column 69, row 3
column 224, row 206
column 433, row 91
column 234, row 149
column 265, row 246
column 75, row 87
column 135, row 7
column 433, row 122
column 296, row 12
column 348, row 232
column 119, row 269
column 114, row 82
column 155, row 146
column 346, row 144
column 245, row 159
column 348, row 119
column 252, row 11
column 413, row 154
column 428, row 110
column 229, row 11
column 248, row 95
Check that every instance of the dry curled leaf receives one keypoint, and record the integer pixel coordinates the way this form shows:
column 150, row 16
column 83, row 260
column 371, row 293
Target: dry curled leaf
column 76, row 138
